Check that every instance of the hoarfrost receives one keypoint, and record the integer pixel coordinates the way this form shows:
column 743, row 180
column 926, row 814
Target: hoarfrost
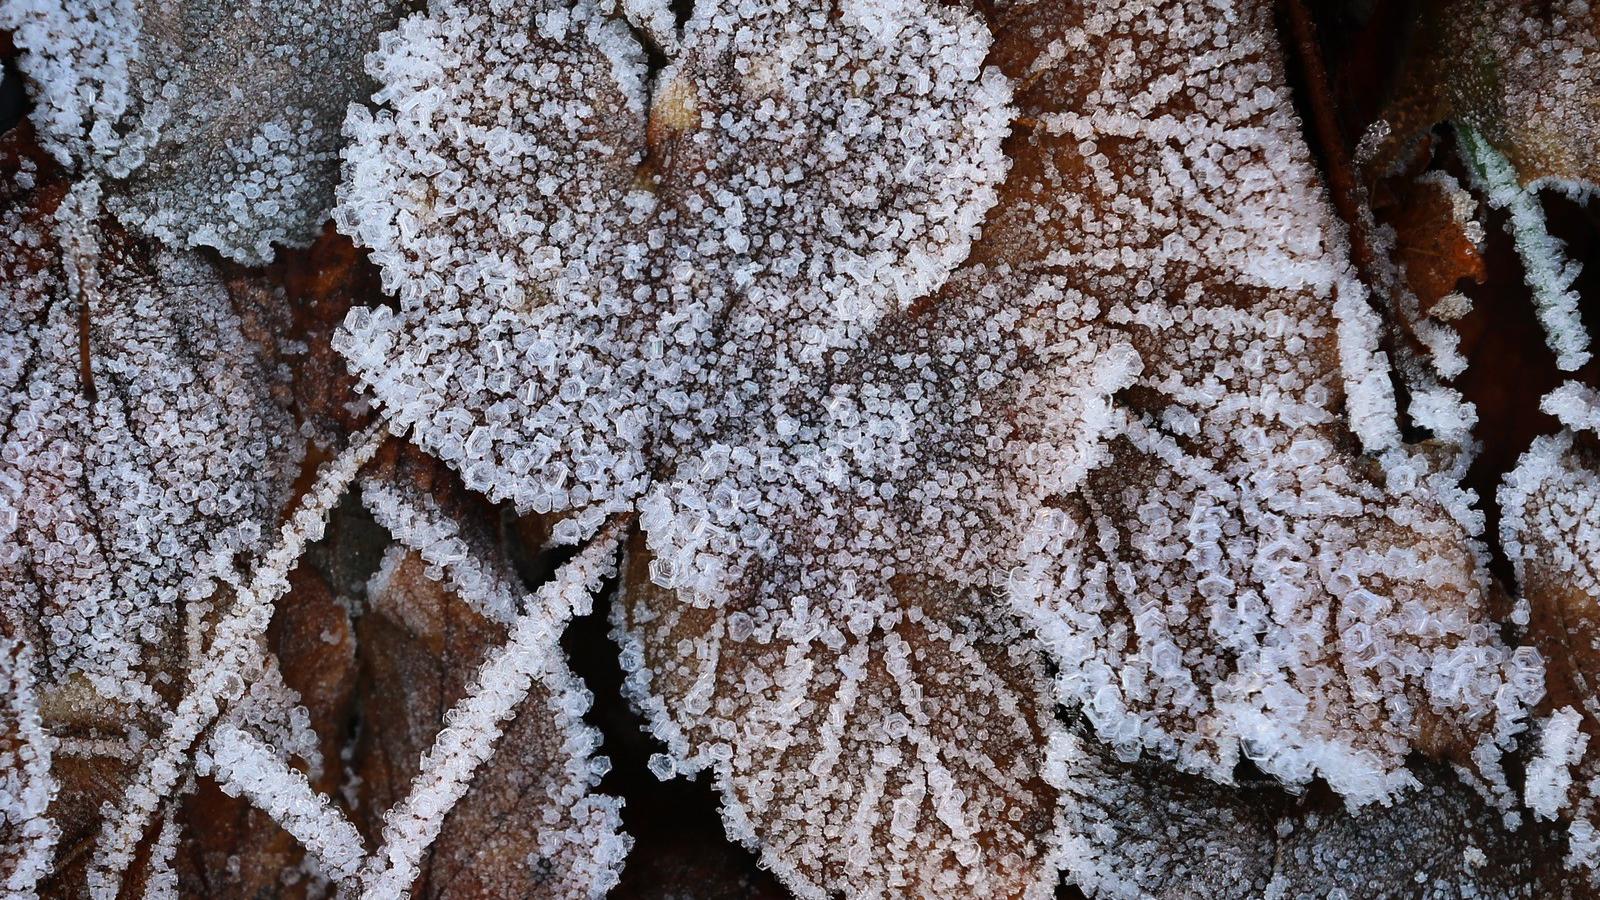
column 142, row 445
column 28, row 835
column 1550, row 530
column 1239, row 580
column 215, row 122
column 532, row 824
column 1142, row 830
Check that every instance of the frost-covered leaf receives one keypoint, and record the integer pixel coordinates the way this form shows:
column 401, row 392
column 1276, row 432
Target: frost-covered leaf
column 216, row 123
column 1239, row 579
column 903, row 761
column 1142, row 830
column 1438, row 240
column 568, row 309
column 755, row 317
column 1550, row 529
column 530, row 824
column 851, row 429
column 142, row 445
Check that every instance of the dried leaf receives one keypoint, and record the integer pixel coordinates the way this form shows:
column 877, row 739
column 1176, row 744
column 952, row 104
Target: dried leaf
column 530, row 825
column 1142, row 830
column 217, row 123
column 1240, row 580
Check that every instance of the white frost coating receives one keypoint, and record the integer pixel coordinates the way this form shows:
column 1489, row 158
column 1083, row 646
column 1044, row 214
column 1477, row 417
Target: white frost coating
column 845, row 423
column 244, row 765
column 656, row 20
column 1550, row 515
column 1549, row 773
column 1238, row 580
column 216, row 681
column 1548, row 271
column 161, row 882
column 474, row 725
column 611, row 321
column 1550, row 531
column 28, row 835
column 116, row 506
column 214, row 122
column 1369, row 397
column 416, row 521
column 76, row 56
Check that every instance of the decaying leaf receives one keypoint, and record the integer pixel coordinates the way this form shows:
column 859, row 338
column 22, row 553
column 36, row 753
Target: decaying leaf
column 530, row 824
column 143, row 448
column 1142, row 830
column 214, row 123
column 1240, row 579
column 1550, row 528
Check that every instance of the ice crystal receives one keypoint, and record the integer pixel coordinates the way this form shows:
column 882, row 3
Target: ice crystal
column 27, row 833
column 216, row 122
column 1549, row 272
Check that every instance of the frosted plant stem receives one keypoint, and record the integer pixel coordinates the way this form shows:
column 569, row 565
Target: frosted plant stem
column 1548, row 271
column 216, row 682
column 163, row 881
column 243, row 764
column 472, row 727
column 25, row 792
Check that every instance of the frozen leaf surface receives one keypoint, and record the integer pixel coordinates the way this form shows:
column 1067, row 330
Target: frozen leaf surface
column 1550, row 528
column 142, row 445
column 1143, row 830
column 902, row 760
column 1241, row 579
column 216, row 122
